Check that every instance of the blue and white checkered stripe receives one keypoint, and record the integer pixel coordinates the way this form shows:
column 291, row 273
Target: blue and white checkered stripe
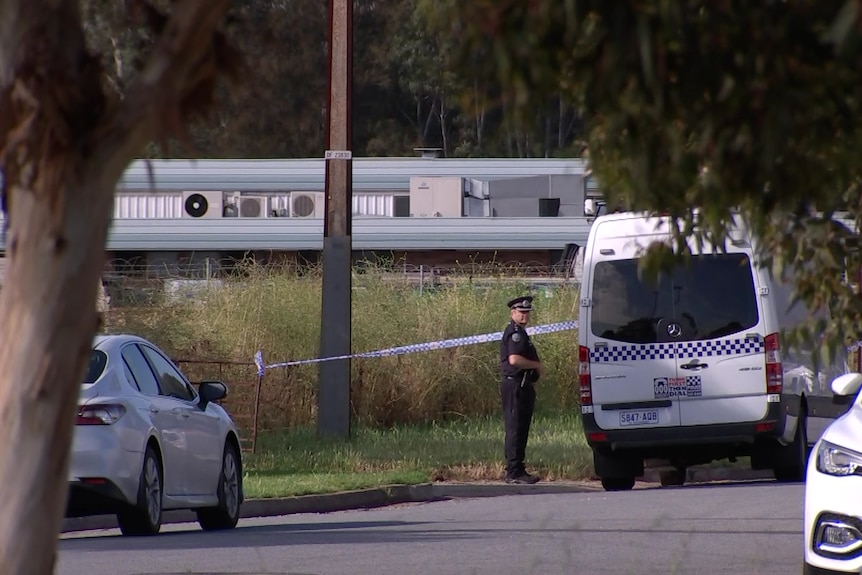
column 677, row 350
column 713, row 348
column 640, row 352
column 417, row 347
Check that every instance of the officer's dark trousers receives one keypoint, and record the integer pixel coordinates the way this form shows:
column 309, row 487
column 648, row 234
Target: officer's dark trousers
column 518, row 404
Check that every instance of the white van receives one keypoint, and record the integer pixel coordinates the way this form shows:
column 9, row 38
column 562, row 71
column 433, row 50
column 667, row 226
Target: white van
column 691, row 369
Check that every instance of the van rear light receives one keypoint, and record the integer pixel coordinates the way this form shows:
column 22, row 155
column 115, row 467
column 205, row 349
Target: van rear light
column 774, row 371
column 584, row 380
column 103, row 414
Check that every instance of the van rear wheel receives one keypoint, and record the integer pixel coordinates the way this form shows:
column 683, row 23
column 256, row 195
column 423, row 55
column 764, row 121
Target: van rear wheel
column 672, row 477
column 617, row 471
column 793, row 458
column 618, row 483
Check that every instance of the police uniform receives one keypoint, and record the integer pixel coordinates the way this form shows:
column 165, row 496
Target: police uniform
column 518, row 393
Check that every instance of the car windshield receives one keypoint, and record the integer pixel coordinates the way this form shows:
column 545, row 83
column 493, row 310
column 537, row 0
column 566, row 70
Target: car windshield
column 712, row 297
column 95, row 366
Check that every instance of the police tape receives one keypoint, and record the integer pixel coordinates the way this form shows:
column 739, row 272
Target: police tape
column 416, row 347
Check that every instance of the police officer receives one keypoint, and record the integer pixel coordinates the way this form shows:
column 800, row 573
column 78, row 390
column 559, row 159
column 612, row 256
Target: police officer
column 520, row 368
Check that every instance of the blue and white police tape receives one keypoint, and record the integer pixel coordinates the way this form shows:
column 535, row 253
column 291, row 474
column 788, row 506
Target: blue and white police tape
column 417, row 347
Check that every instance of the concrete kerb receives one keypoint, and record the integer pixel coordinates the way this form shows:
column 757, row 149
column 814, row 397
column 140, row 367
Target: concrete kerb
column 421, row 493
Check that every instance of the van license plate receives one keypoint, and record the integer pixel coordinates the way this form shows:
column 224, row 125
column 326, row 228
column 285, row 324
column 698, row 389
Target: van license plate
column 639, row 417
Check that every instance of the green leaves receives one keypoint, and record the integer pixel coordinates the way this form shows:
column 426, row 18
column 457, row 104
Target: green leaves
column 842, row 26
column 712, row 108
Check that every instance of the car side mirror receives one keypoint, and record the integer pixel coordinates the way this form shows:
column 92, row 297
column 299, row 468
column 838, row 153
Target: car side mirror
column 847, row 384
column 211, row 391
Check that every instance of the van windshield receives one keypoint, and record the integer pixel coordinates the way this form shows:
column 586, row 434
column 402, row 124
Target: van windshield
column 712, row 297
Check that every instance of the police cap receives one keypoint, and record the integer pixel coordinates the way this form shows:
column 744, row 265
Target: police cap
column 523, row 303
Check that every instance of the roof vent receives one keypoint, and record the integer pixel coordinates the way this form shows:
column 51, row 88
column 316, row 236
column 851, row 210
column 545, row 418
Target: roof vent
column 428, row 153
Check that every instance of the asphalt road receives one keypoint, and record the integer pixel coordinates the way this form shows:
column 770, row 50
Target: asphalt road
column 743, row 528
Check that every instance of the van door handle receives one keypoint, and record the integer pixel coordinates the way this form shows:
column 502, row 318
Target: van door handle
column 694, row 366
column 181, row 411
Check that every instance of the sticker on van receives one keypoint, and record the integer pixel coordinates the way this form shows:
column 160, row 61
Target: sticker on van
column 669, row 387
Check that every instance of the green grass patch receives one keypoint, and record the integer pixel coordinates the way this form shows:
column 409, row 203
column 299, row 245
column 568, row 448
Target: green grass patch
column 267, row 485
column 297, row 461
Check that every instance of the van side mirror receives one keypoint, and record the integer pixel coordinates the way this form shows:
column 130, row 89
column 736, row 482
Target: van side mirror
column 211, row 391
column 847, row 384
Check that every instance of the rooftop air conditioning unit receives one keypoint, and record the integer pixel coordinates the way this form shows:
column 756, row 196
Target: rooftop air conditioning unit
column 436, row 197
column 252, row 206
column 307, row 204
column 202, row 204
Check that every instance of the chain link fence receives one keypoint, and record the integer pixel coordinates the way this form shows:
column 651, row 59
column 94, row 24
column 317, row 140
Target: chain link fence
column 132, row 283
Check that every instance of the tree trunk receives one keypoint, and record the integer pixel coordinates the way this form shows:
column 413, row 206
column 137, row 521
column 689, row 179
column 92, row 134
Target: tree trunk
column 63, row 146
column 428, row 120
column 47, row 317
column 443, row 127
column 560, row 120
column 478, row 115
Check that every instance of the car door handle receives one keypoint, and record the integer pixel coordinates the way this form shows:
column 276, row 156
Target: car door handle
column 694, row 366
column 154, row 409
column 181, row 411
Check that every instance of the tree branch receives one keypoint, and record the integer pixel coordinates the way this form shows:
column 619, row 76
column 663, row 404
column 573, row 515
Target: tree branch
column 11, row 32
column 177, row 80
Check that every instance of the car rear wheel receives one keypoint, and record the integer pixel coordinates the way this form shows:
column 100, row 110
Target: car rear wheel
column 145, row 517
column 226, row 514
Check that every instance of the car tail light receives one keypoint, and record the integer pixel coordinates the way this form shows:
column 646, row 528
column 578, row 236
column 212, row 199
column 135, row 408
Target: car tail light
column 94, row 480
column 774, row 371
column 584, row 380
column 100, row 414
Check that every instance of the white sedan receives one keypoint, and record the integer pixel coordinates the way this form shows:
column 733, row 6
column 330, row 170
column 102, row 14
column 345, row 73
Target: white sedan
column 833, row 484
column 146, row 441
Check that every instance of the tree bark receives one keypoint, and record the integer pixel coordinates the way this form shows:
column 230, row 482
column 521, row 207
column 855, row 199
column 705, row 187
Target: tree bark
column 63, row 146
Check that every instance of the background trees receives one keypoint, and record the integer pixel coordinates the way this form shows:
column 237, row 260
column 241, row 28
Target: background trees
column 408, row 88
column 710, row 106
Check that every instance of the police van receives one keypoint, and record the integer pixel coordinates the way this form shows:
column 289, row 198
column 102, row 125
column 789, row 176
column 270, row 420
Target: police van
column 691, row 369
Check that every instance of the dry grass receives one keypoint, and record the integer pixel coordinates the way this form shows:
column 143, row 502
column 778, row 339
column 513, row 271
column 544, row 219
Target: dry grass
column 278, row 312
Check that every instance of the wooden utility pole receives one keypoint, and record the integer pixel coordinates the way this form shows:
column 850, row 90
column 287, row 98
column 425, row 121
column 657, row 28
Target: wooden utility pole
column 333, row 392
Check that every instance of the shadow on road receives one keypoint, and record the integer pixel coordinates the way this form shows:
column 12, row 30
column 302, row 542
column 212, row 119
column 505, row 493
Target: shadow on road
column 383, row 532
